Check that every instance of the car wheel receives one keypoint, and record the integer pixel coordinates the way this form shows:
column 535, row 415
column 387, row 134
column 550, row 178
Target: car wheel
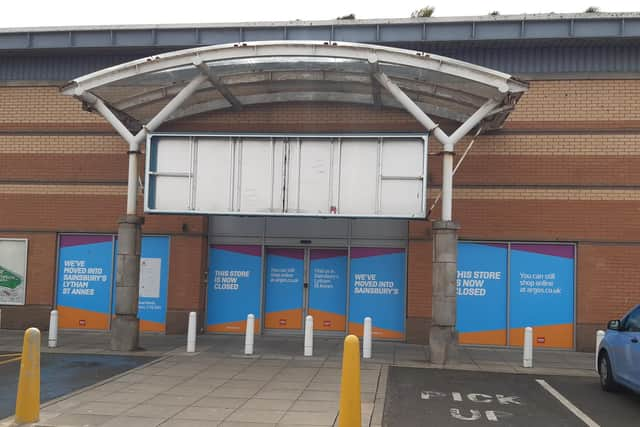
column 606, row 375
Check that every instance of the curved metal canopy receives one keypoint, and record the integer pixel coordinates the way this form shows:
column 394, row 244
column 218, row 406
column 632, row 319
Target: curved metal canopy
column 236, row 75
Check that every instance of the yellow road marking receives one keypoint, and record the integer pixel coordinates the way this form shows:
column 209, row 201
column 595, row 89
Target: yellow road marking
column 4, row 362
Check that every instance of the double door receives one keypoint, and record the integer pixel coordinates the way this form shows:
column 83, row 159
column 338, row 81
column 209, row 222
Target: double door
column 305, row 281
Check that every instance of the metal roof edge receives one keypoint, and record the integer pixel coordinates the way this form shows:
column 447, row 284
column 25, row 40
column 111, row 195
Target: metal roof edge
column 335, row 22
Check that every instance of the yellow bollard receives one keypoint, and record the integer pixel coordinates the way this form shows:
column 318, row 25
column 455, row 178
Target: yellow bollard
column 350, row 409
column 28, row 399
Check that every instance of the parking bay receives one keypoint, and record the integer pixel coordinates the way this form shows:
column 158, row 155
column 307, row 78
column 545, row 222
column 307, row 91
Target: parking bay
column 61, row 374
column 440, row 397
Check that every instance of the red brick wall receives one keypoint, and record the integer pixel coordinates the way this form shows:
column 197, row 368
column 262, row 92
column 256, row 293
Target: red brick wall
column 564, row 168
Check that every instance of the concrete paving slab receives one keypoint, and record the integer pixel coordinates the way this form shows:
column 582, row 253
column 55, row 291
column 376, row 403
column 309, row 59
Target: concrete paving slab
column 229, row 386
column 173, row 399
column 245, row 382
column 147, row 388
column 130, row 378
column 152, row 411
column 319, row 395
column 241, row 424
column 278, row 394
column 255, row 416
column 126, row 397
column 234, row 392
column 79, row 420
column 121, row 421
column 323, row 418
column 190, row 389
column 314, row 405
column 306, row 425
column 220, row 402
column 100, row 408
column 334, row 387
column 172, row 422
column 286, row 385
column 202, row 413
column 268, row 404
column 161, row 380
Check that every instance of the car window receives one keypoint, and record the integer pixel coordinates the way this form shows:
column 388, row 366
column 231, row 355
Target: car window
column 632, row 322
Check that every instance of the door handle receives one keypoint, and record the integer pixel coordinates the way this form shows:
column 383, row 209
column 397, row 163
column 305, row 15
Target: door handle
column 634, row 340
column 306, row 285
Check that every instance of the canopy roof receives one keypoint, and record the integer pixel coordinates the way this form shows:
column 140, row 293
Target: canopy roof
column 237, row 75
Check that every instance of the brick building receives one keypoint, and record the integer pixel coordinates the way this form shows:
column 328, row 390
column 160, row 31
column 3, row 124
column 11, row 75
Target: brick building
column 561, row 171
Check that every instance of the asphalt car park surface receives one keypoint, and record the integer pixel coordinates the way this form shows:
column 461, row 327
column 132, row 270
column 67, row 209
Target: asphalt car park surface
column 61, row 374
column 433, row 397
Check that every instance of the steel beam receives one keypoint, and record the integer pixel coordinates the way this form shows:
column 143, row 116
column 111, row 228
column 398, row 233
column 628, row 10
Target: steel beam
column 220, row 86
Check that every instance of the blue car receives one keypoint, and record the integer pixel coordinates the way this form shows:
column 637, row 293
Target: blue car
column 619, row 353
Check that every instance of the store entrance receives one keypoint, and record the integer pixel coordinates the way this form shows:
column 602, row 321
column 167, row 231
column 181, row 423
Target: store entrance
column 305, row 281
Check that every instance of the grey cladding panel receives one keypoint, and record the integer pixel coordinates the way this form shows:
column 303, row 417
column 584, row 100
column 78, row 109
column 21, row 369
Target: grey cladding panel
column 308, row 227
column 632, row 27
column 379, row 229
column 494, row 31
column 219, row 36
column 14, row 41
column 547, row 29
column 92, row 38
column 309, row 33
column 263, row 34
column 461, row 31
column 134, row 38
column 176, row 37
column 48, row 40
column 315, row 229
column 596, row 29
column 392, row 33
column 359, row 33
column 236, row 226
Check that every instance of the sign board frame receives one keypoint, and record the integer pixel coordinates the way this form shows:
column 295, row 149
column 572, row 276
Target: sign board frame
column 266, row 175
column 25, row 254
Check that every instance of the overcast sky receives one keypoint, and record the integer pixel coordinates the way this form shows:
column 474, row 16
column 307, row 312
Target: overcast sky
column 37, row 13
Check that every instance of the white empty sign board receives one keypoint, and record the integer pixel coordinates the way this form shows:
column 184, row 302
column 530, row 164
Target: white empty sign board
column 312, row 175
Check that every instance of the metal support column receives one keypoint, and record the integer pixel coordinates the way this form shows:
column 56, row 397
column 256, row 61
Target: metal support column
column 125, row 327
column 442, row 337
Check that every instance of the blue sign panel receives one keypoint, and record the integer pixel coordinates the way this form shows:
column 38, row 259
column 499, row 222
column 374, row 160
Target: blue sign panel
column 284, row 289
column 377, row 290
column 542, row 294
column 233, row 290
column 481, row 290
column 154, row 281
column 328, row 289
column 84, row 281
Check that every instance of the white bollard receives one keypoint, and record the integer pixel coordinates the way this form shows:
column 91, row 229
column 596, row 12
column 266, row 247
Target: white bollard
column 527, row 359
column 191, row 333
column 599, row 338
column 308, row 336
column 53, row 329
column 366, row 339
column 248, row 338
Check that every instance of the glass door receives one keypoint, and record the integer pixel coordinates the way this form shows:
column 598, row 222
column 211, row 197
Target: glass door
column 306, row 281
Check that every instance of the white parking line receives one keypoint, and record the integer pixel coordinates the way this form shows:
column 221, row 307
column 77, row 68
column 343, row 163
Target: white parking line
column 570, row 406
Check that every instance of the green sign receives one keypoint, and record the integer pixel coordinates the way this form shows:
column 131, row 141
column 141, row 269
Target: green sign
column 9, row 279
